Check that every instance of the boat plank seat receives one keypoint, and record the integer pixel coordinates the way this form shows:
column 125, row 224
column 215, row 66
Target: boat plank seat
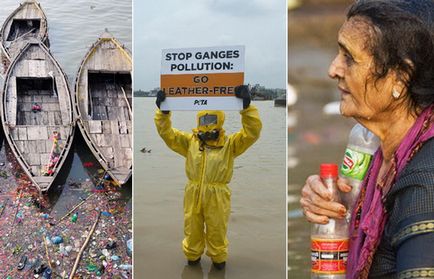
column 43, row 179
column 125, row 141
column 112, row 145
column 35, row 143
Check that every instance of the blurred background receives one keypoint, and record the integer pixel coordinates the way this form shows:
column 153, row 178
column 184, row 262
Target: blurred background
column 317, row 133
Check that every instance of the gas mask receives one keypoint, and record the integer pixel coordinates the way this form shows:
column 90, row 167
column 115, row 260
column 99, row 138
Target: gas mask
column 210, row 126
column 207, row 136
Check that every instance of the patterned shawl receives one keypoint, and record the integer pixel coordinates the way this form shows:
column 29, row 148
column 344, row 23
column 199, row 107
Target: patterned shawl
column 369, row 216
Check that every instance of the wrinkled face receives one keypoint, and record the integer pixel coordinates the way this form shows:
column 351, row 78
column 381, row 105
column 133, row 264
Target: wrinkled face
column 362, row 96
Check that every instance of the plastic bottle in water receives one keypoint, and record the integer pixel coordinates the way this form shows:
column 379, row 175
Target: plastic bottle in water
column 361, row 147
column 329, row 242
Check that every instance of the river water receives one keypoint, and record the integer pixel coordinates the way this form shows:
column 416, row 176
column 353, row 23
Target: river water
column 73, row 26
column 257, row 225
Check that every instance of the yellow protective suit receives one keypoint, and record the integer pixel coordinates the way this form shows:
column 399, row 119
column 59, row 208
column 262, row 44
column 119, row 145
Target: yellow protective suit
column 209, row 170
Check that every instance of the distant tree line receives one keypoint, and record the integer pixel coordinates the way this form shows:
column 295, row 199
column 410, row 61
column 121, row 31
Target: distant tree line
column 141, row 93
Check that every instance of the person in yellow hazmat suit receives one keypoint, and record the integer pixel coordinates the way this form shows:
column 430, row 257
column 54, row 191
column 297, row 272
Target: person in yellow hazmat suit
column 210, row 155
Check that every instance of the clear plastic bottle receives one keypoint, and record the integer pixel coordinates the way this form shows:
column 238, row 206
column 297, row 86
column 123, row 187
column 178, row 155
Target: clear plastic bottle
column 329, row 242
column 361, row 147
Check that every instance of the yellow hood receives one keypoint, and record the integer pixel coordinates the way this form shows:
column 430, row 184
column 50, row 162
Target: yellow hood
column 214, row 126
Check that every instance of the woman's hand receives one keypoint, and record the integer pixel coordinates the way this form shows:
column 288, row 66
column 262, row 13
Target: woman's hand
column 317, row 203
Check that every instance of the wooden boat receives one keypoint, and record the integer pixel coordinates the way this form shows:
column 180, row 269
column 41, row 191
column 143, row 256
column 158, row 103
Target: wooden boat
column 37, row 113
column 103, row 105
column 27, row 21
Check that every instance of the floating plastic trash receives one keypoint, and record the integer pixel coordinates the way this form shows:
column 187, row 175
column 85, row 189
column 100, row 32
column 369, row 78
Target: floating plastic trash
column 57, row 239
column 115, row 258
column 106, row 214
column 130, row 247
column 74, row 218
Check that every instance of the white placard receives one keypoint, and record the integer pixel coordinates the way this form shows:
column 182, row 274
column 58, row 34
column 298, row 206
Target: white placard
column 202, row 78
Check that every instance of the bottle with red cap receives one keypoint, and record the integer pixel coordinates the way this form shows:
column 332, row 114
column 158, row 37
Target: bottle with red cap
column 329, row 242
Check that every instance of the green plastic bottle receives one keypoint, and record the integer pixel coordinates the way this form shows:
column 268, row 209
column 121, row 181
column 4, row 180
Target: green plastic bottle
column 74, row 217
column 362, row 144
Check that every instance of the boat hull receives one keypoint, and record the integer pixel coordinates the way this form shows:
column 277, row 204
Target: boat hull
column 27, row 22
column 37, row 114
column 102, row 104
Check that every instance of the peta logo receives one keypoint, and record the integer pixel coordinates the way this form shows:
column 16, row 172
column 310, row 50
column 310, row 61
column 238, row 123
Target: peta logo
column 200, row 102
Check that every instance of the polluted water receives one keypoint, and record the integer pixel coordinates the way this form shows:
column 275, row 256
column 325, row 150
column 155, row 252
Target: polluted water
column 82, row 227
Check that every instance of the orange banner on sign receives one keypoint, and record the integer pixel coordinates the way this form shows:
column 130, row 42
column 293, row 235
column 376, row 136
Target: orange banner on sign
column 205, row 85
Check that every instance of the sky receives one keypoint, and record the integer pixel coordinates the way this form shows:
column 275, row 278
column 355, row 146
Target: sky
column 260, row 25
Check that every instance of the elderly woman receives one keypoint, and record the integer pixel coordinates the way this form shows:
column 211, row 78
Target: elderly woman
column 385, row 73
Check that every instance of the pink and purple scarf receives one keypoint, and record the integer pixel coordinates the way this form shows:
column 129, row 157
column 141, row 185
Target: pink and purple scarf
column 366, row 233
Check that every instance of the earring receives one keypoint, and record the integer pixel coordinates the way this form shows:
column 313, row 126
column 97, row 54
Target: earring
column 395, row 93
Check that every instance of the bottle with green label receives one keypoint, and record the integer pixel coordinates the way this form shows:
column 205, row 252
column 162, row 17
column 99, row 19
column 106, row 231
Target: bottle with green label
column 361, row 147
column 74, row 218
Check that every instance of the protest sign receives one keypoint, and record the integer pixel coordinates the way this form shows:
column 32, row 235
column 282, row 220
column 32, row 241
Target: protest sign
column 202, row 78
